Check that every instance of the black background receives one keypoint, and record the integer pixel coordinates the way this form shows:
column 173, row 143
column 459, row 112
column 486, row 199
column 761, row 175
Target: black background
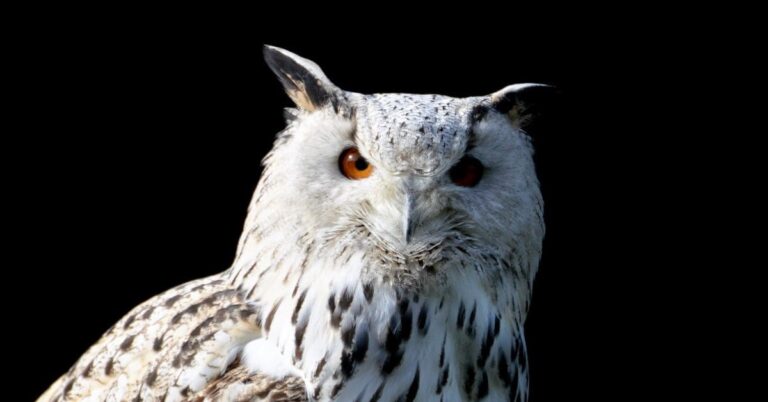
column 152, row 148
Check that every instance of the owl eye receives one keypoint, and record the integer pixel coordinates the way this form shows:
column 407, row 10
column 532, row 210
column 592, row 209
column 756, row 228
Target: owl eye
column 353, row 165
column 467, row 173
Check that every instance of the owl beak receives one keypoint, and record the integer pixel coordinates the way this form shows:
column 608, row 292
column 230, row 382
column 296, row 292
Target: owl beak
column 401, row 215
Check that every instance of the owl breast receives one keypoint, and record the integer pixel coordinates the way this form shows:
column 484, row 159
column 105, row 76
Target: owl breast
column 356, row 337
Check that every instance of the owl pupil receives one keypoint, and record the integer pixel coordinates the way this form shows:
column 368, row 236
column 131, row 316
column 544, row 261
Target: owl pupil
column 353, row 166
column 467, row 173
column 361, row 164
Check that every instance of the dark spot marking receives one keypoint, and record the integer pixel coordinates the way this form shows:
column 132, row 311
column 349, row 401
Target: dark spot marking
column 336, row 389
column 88, row 369
column 170, row 302
column 221, row 315
column 482, row 389
column 485, row 348
column 446, row 372
column 320, row 365
column 368, row 292
column 442, row 352
column 148, row 313
column 407, row 324
column 469, row 379
column 199, row 328
column 472, row 314
column 350, row 359
column 68, row 387
column 336, row 320
column 129, row 321
column 414, row 388
column 158, row 344
column 151, row 377
column 403, row 305
column 345, row 300
column 300, row 330
column 208, row 337
column 108, row 368
column 271, row 315
column 296, row 311
column 191, row 310
column 442, row 379
column 210, row 300
column 296, row 288
column 504, row 374
column 127, row 342
column 347, row 334
column 245, row 314
column 471, row 321
column 496, row 326
column 361, row 346
column 460, row 316
column 347, row 364
column 394, row 335
column 188, row 345
column 377, row 394
column 335, row 314
column 392, row 361
column 422, row 321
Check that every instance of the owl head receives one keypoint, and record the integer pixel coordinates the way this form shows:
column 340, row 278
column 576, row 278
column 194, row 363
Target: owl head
column 424, row 185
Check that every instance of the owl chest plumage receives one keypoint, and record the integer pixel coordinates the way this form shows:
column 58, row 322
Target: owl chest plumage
column 355, row 337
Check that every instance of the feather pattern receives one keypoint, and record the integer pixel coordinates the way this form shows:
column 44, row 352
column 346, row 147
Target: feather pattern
column 403, row 286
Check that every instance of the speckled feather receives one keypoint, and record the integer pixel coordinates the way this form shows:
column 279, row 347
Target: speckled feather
column 399, row 287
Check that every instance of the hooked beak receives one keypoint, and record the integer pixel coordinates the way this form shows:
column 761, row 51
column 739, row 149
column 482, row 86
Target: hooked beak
column 398, row 214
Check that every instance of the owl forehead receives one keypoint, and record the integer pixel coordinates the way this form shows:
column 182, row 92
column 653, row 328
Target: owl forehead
column 421, row 134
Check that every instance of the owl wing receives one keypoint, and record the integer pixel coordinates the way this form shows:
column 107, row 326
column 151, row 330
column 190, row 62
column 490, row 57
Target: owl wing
column 237, row 384
column 183, row 344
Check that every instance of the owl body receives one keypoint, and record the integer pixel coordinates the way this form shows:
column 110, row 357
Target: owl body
column 405, row 278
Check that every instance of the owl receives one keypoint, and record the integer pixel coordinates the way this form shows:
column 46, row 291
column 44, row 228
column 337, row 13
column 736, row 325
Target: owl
column 388, row 255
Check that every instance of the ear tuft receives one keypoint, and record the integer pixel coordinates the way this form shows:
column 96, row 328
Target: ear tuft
column 303, row 80
column 525, row 102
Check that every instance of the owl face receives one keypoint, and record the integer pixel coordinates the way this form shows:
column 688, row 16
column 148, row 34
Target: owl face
column 419, row 181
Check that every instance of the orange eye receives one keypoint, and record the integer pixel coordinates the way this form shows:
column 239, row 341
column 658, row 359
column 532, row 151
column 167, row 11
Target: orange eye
column 467, row 173
column 353, row 165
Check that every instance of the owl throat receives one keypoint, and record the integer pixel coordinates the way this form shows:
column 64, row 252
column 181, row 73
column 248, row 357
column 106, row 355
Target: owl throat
column 362, row 321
